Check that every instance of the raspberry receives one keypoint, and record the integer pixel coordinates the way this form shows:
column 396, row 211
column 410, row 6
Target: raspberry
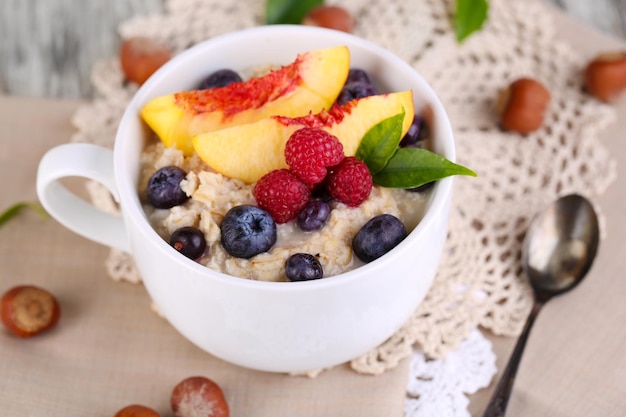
column 350, row 182
column 281, row 194
column 309, row 151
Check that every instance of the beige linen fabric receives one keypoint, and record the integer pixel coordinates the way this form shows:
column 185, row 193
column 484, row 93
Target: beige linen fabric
column 109, row 349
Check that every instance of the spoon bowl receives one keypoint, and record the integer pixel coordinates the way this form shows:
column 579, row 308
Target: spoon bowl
column 560, row 246
column 558, row 251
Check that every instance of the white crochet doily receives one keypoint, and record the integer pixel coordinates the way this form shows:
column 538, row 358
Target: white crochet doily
column 439, row 387
column 480, row 281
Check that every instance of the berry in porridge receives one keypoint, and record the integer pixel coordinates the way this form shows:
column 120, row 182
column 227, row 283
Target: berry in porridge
column 358, row 85
column 303, row 267
column 282, row 194
column 314, row 215
column 350, row 182
column 189, row 241
column 378, row 236
column 416, row 135
column 247, row 231
column 310, row 151
column 164, row 188
column 220, row 78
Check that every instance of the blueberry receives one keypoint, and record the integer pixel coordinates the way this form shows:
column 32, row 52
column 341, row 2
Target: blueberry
column 354, row 90
column 377, row 237
column 313, row 216
column 357, row 85
column 220, row 78
column 189, row 241
column 358, row 75
column 163, row 190
column 303, row 267
column 247, row 230
column 414, row 137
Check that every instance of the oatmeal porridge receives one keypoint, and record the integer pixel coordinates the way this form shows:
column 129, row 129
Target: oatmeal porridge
column 212, row 195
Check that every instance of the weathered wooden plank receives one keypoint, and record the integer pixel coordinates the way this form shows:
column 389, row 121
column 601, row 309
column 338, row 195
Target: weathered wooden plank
column 48, row 47
column 607, row 15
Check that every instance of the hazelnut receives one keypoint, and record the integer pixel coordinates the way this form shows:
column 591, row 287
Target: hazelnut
column 198, row 396
column 522, row 105
column 140, row 57
column 605, row 76
column 27, row 310
column 331, row 17
column 137, row 411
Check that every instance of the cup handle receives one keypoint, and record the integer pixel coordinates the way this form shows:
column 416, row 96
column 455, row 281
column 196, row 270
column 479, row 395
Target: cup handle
column 88, row 161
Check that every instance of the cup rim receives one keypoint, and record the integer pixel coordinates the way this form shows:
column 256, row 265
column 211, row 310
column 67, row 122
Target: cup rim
column 133, row 210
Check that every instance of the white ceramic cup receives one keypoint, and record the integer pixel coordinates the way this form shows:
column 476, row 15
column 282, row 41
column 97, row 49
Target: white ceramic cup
column 285, row 326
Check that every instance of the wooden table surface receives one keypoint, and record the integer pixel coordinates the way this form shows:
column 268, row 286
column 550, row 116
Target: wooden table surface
column 48, row 47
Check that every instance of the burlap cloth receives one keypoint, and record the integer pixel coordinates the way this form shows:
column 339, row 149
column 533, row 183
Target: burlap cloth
column 110, row 350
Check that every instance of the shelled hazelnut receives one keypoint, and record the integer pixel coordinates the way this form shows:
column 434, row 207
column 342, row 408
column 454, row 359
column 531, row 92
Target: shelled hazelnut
column 605, row 76
column 27, row 310
column 198, row 396
column 522, row 105
column 331, row 17
column 140, row 57
column 137, row 411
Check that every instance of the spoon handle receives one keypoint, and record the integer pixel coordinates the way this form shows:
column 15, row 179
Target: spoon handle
column 499, row 400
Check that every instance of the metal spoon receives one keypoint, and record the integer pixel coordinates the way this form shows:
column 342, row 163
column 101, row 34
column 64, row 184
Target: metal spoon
column 558, row 250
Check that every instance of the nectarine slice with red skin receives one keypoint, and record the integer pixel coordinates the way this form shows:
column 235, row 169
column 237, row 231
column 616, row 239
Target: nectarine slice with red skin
column 241, row 96
column 249, row 151
column 311, row 83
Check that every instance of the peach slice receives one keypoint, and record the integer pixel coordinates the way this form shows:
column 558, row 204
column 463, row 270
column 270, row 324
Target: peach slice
column 247, row 152
column 309, row 84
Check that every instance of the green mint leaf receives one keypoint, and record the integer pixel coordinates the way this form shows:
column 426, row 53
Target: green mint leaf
column 16, row 208
column 469, row 17
column 380, row 142
column 412, row 167
column 288, row 11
